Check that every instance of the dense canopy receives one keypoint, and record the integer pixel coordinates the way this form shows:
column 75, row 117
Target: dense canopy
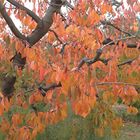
column 62, row 55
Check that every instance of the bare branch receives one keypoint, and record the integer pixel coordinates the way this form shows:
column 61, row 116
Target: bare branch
column 116, row 83
column 111, row 42
column 63, row 48
column 18, row 61
column 127, row 62
column 110, row 24
column 69, row 5
column 82, row 62
column 132, row 46
column 93, row 60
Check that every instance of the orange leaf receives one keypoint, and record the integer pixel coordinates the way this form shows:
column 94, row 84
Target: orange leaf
column 32, row 99
column 1, row 109
column 19, row 47
column 99, row 35
column 5, row 125
column 6, row 104
column 32, row 25
column 81, row 108
column 93, row 17
column 132, row 110
column 16, row 119
column 41, row 73
column 106, row 8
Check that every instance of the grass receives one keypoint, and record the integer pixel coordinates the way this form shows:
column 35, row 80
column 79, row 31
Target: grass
column 76, row 128
column 64, row 129
column 130, row 131
column 79, row 128
column 131, row 127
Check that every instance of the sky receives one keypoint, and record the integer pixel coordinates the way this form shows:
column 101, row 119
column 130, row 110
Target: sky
column 30, row 6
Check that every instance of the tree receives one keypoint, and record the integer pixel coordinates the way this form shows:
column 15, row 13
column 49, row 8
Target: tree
column 43, row 63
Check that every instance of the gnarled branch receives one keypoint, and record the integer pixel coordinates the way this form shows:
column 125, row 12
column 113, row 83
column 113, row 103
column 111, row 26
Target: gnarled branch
column 43, row 25
column 93, row 60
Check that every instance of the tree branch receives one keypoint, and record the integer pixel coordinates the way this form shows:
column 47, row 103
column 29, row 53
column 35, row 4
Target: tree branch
column 43, row 25
column 93, row 60
column 10, row 23
column 132, row 46
column 56, row 35
column 7, row 86
column 44, row 90
column 29, row 12
column 110, row 24
column 46, row 23
column 127, row 62
column 109, row 41
column 105, row 43
column 117, row 83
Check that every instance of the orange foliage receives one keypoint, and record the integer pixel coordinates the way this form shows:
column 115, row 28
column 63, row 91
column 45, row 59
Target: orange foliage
column 57, row 58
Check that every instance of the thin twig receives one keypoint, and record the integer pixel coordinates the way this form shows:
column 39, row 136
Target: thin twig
column 117, row 83
column 127, row 62
column 30, row 90
column 119, row 39
column 56, row 35
column 110, row 24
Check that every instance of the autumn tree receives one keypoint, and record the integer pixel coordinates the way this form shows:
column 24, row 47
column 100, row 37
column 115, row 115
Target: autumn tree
column 83, row 53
